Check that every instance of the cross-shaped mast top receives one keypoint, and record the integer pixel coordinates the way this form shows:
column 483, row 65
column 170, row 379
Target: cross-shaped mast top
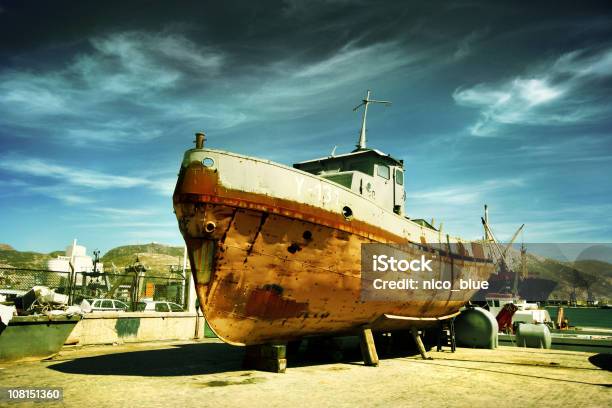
column 361, row 145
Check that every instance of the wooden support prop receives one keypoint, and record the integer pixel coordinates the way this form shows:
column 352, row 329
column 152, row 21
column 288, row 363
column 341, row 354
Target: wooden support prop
column 266, row 357
column 451, row 324
column 441, row 335
column 419, row 343
column 368, row 348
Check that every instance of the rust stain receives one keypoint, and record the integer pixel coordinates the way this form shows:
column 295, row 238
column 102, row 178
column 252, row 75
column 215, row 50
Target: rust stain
column 269, row 303
column 477, row 250
column 264, row 217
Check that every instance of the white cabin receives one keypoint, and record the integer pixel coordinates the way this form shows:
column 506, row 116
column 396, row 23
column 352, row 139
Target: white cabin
column 526, row 313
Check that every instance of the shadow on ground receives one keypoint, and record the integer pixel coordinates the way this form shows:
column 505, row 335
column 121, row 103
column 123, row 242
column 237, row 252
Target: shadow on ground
column 207, row 358
column 180, row 360
column 602, row 360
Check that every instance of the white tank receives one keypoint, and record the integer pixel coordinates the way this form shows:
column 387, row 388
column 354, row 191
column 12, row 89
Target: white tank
column 77, row 250
column 533, row 336
column 477, row 328
column 58, row 265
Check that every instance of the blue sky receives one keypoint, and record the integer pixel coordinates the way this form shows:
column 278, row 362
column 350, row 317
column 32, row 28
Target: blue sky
column 491, row 104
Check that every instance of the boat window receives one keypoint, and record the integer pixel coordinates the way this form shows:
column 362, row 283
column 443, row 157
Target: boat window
column 383, row 171
column 107, row 304
column 364, row 166
column 175, row 308
column 496, row 303
column 399, row 177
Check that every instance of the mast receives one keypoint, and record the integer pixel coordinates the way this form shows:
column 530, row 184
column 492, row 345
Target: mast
column 361, row 144
column 486, row 222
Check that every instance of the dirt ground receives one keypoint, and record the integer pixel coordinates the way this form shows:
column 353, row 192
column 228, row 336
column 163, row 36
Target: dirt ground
column 209, row 373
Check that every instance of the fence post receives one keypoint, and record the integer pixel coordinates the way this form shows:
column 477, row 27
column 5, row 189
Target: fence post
column 71, row 280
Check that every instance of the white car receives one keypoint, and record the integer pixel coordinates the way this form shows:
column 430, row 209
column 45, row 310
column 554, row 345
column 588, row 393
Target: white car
column 103, row 305
column 158, row 306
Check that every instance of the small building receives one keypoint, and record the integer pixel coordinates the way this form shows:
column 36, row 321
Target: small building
column 77, row 254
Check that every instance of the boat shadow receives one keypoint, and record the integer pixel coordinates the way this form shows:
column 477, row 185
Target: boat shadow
column 179, row 360
column 602, row 360
column 345, row 350
column 198, row 359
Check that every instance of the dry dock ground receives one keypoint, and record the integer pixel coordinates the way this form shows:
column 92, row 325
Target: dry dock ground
column 209, row 373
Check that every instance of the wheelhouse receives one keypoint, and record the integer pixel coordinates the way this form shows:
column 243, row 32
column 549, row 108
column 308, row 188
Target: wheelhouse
column 369, row 172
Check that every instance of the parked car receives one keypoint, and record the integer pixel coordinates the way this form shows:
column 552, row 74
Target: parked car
column 103, row 305
column 158, row 306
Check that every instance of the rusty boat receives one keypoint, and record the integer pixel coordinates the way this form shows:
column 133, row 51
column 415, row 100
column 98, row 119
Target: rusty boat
column 275, row 251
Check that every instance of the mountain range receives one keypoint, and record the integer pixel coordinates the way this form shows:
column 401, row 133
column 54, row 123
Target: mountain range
column 584, row 276
column 158, row 258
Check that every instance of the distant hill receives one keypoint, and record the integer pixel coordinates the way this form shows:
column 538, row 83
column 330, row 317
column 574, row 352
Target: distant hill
column 583, row 275
column 26, row 259
column 597, row 253
column 157, row 257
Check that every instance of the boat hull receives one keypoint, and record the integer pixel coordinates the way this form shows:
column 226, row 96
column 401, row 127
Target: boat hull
column 269, row 268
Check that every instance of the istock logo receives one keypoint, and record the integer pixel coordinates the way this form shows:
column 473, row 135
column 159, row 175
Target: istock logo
column 384, row 263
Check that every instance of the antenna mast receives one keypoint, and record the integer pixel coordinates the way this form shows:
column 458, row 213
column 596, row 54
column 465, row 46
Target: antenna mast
column 361, row 145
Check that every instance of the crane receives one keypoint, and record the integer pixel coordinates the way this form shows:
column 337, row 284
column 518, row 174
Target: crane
column 501, row 251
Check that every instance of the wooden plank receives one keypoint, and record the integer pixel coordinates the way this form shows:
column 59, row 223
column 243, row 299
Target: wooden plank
column 266, row 357
column 423, row 319
column 419, row 343
column 368, row 348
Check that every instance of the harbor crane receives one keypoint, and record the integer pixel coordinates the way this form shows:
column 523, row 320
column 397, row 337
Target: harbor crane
column 501, row 251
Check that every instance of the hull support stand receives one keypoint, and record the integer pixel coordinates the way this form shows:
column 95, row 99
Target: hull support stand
column 266, row 357
column 368, row 348
column 419, row 343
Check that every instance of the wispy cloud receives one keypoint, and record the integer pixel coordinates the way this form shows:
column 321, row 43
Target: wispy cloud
column 166, row 234
column 553, row 95
column 136, row 62
column 124, row 212
column 130, row 85
column 62, row 193
column 276, row 96
column 466, row 45
column 557, row 230
column 171, row 226
column 465, row 193
column 15, row 187
column 75, row 176
column 110, row 93
column 73, row 184
column 321, row 80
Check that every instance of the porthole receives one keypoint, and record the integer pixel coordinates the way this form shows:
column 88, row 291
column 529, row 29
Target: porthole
column 293, row 248
column 347, row 212
column 208, row 162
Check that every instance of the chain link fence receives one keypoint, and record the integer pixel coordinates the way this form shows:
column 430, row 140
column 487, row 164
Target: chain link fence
column 131, row 288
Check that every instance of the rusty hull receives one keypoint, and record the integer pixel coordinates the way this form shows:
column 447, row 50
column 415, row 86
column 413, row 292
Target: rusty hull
column 277, row 270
